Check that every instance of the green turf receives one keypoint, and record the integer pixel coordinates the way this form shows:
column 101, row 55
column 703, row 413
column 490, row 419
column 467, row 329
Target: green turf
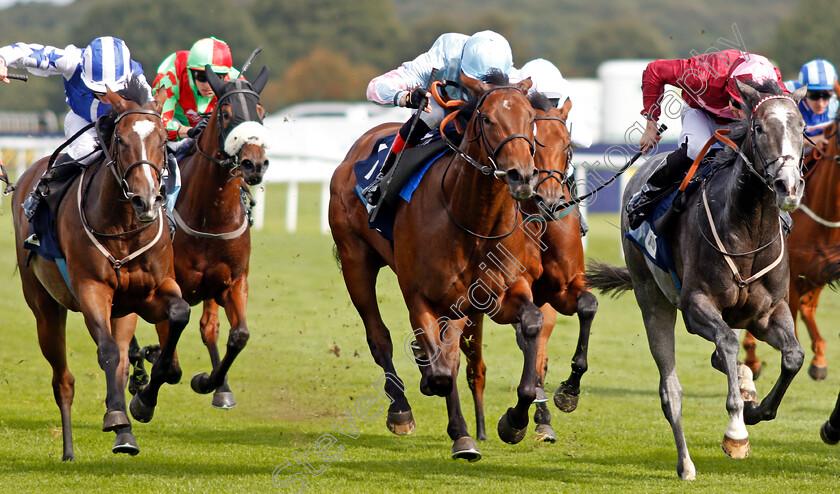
column 292, row 388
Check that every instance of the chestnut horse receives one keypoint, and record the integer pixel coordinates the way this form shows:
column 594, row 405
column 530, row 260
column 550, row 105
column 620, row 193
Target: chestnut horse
column 213, row 240
column 561, row 288
column 814, row 249
column 119, row 262
column 458, row 251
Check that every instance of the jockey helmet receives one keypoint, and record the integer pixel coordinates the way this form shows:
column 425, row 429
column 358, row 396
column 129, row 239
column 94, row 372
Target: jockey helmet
column 485, row 51
column 106, row 63
column 210, row 51
column 818, row 74
column 546, row 78
column 750, row 67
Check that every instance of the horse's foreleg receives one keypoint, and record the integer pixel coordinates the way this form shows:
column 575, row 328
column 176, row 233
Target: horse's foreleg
column 513, row 423
column 209, row 327
column 702, row 317
column 819, row 368
column 476, row 371
column 168, row 305
column 463, row 447
column 122, row 329
column 779, row 334
column 234, row 300
column 542, row 416
column 830, row 430
column 95, row 301
column 566, row 396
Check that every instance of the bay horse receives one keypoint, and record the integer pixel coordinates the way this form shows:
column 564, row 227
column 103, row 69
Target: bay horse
column 732, row 264
column 213, row 239
column 118, row 261
column 814, row 249
column 457, row 251
column 561, row 287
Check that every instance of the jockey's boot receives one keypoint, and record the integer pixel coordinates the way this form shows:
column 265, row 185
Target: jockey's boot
column 406, row 138
column 59, row 169
column 584, row 226
column 659, row 182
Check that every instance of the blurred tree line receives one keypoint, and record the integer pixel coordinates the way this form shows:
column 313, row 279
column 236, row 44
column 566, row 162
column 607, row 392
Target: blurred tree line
column 330, row 49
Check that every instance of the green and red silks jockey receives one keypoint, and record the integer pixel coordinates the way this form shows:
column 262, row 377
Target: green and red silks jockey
column 190, row 96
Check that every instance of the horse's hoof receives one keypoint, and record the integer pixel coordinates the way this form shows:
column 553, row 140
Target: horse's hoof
column 125, row 443
column 150, row 353
column 400, row 423
column 541, row 396
column 566, row 399
column 686, row 470
column 200, row 383
column 757, row 371
column 466, row 449
column 68, row 457
column 223, row 400
column 140, row 411
column 736, row 448
column 507, row 432
column 817, row 373
column 829, row 434
column 114, row 420
column 544, row 434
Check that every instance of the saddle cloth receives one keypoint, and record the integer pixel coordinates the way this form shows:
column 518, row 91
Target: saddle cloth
column 414, row 162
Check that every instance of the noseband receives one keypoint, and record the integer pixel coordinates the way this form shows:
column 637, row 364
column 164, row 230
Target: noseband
column 114, row 163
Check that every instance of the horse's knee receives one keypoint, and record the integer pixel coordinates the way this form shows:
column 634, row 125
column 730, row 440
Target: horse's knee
column 178, row 313
column 238, row 338
column 108, row 353
column 792, row 360
column 587, row 305
column 531, row 320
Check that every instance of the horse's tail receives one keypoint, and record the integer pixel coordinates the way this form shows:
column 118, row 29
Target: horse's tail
column 609, row 280
column 336, row 257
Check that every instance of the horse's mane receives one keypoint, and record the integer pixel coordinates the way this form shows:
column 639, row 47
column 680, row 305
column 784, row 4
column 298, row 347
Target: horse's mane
column 540, row 101
column 738, row 129
column 136, row 91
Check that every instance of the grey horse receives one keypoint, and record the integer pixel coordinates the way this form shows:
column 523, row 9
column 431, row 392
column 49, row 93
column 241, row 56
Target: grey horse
column 731, row 261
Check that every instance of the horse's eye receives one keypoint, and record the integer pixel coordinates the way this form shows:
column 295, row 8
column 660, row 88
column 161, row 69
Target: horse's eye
column 225, row 114
column 485, row 120
column 759, row 129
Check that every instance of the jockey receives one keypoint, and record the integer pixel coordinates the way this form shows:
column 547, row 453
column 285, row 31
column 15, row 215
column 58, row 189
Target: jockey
column 104, row 64
column 190, row 95
column 818, row 107
column 547, row 79
column 712, row 102
column 452, row 54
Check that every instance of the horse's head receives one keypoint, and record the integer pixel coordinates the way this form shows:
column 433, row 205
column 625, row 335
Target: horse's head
column 553, row 154
column 138, row 148
column 776, row 131
column 501, row 130
column 242, row 136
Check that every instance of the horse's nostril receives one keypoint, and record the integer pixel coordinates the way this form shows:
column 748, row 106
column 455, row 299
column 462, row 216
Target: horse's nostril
column 137, row 202
column 513, row 176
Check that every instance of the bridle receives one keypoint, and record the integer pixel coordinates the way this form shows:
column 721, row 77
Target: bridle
column 113, row 163
column 756, row 151
column 479, row 129
column 229, row 162
column 553, row 174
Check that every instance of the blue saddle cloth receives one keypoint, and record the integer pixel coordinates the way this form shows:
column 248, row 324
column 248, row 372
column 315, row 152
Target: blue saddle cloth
column 656, row 246
column 366, row 172
column 44, row 227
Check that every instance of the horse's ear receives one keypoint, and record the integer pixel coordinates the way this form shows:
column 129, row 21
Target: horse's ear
column 114, row 100
column 748, row 94
column 837, row 87
column 216, row 83
column 800, row 93
column 474, row 86
column 160, row 99
column 566, row 108
column 259, row 82
column 525, row 85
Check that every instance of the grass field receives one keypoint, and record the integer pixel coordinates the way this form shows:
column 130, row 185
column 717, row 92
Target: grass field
column 307, row 362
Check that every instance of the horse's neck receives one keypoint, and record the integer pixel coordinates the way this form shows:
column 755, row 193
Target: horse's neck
column 749, row 204
column 105, row 205
column 822, row 189
column 479, row 202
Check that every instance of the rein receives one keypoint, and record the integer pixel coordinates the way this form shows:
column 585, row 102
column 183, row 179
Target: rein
column 462, row 227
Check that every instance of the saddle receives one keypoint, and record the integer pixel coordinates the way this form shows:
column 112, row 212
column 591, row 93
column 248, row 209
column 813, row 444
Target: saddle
column 404, row 178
